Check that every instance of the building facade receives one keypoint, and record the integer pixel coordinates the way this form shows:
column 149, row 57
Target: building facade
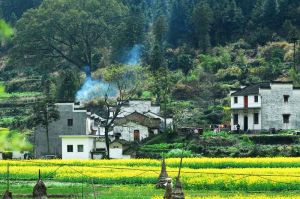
column 266, row 106
column 73, row 120
column 79, row 134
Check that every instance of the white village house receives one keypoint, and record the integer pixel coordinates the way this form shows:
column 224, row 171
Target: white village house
column 78, row 134
column 265, row 106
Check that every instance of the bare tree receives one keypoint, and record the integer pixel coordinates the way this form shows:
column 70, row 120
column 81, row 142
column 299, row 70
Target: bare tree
column 126, row 80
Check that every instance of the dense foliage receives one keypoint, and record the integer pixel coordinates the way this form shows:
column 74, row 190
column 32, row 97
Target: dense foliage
column 192, row 51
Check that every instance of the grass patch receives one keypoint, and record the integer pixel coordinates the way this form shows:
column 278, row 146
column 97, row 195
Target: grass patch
column 5, row 95
column 134, row 191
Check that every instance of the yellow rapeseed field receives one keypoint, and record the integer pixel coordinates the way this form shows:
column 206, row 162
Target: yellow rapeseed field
column 244, row 174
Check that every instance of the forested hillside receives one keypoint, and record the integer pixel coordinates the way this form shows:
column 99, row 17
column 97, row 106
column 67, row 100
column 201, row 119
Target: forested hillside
column 191, row 52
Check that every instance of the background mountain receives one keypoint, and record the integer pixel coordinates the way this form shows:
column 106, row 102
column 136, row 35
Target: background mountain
column 193, row 51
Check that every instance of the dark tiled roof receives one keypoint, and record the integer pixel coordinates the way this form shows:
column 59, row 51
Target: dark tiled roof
column 140, row 119
column 251, row 90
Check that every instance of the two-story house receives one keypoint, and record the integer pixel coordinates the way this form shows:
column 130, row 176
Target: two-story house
column 265, row 106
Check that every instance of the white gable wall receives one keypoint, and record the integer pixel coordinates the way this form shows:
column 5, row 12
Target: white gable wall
column 127, row 131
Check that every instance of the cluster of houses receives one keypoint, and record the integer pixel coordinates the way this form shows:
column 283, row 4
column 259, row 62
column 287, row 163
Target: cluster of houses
column 79, row 134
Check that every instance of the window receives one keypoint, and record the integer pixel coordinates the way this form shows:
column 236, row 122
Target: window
column 235, row 100
column 69, row 148
column 235, row 119
column 79, row 148
column 286, row 118
column 70, row 122
column 256, row 118
column 286, row 98
column 116, row 147
column 255, row 98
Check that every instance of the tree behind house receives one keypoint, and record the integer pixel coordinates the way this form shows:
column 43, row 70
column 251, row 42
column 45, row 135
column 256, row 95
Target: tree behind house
column 44, row 111
column 127, row 80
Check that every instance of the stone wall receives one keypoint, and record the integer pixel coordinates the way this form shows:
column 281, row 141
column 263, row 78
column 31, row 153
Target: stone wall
column 273, row 107
column 60, row 127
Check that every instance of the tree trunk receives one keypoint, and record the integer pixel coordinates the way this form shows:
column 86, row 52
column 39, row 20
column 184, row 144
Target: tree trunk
column 107, row 141
column 48, row 142
column 165, row 113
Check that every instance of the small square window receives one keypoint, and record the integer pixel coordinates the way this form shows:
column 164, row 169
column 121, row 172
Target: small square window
column 255, row 98
column 256, row 118
column 235, row 100
column 286, row 118
column 70, row 122
column 69, row 148
column 286, row 98
column 80, row 148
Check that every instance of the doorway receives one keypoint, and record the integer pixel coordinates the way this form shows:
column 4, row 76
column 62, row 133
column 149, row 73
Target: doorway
column 136, row 135
column 245, row 123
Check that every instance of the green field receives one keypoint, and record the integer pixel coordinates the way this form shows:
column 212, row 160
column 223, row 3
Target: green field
column 24, row 190
column 5, row 95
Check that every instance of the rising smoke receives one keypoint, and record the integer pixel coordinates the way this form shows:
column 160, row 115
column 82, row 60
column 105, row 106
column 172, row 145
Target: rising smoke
column 133, row 57
column 93, row 88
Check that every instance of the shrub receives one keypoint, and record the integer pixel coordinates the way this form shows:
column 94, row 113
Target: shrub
column 274, row 139
column 176, row 153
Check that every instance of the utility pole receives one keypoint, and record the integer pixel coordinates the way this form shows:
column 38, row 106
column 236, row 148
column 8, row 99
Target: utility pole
column 7, row 177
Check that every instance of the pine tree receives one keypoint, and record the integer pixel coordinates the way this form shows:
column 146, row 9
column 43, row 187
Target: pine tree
column 160, row 29
column 201, row 19
column 270, row 13
column 178, row 27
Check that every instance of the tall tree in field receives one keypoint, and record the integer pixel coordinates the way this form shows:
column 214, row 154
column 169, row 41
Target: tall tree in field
column 44, row 111
column 202, row 18
column 67, row 32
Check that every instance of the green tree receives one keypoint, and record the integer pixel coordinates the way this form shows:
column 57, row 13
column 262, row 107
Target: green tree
column 67, row 32
column 13, row 141
column 44, row 111
column 270, row 13
column 185, row 63
column 157, row 59
column 5, row 30
column 202, row 18
column 160, row 29
column 126, row 80
column 178, row 24
column 68, row 85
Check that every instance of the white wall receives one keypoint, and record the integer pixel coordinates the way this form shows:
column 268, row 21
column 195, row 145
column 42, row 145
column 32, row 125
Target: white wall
column 116, row 153
column 127, row 131
column 251, row 102
column 88, row 146
column 240, row 103
column 250, row 114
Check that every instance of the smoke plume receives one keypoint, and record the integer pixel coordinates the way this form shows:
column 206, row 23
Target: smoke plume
column 133, row 56
column 94, row 88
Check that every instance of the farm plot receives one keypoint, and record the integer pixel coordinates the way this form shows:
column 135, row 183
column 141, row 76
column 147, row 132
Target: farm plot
column 201, row 177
